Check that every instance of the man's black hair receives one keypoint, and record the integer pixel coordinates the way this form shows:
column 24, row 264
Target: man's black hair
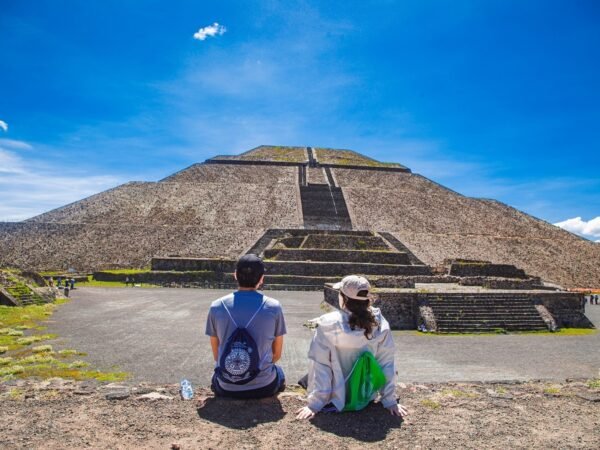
column 247, row 279
column 250, row 268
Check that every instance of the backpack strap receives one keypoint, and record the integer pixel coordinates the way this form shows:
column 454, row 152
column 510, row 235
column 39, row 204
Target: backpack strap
column 230, row 316
column 251, row 319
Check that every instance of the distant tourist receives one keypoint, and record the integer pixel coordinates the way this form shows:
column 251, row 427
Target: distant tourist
column 72, row 282
column 59, row 281
column 351, row 356
column 126, row 281
column 66, row 289
column 246, row 331
column 51, row 282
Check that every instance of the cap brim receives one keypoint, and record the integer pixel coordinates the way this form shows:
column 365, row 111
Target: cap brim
column 337, row 285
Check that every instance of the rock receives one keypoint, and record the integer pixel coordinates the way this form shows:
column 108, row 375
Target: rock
column 402, row 385
column 118, row 395
column 154, row 396
column 83, row 392
column 589, row 397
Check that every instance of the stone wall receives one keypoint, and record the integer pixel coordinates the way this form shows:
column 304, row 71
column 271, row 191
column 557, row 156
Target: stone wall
column 501, row 283
column 323, row 241
column 377, row 257
column 401, row 309
column 168, row 277
column 230, row 173
column 568, row 262
column 486, row 270
column 567, row 308
column 193, row 264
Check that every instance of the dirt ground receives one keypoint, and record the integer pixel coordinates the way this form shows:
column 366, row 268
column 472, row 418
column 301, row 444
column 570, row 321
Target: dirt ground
column 68, row 414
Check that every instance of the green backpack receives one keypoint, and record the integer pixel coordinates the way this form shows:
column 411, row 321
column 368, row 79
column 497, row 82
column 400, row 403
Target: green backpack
column 365, row 379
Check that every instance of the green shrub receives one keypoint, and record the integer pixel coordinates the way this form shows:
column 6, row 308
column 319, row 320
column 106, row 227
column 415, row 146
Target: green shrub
column 42, row 349
column 11, row 370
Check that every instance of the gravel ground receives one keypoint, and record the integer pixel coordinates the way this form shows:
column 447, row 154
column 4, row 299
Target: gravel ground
column 158, row 336
column 61, row 414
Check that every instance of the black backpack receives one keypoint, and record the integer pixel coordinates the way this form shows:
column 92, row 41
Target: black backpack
column 239, row 361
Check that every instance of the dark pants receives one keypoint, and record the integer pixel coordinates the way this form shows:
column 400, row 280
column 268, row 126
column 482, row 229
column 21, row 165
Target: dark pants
column 278, row 385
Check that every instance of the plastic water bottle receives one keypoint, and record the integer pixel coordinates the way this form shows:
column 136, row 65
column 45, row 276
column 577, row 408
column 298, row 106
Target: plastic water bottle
column 187, row 392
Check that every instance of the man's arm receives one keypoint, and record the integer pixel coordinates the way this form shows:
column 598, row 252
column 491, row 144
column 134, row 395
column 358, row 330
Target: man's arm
column 214, row 343
column 277, row 348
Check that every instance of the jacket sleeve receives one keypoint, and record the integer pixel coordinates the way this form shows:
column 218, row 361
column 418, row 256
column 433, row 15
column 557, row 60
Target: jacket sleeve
column 385, row 358
column 320, row 373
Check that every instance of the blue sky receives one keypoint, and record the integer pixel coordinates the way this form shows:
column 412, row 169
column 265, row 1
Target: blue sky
column 494, row 99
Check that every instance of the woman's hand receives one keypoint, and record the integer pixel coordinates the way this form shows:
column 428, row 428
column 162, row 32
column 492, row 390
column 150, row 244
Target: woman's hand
column 398, row 410
column 305, row 413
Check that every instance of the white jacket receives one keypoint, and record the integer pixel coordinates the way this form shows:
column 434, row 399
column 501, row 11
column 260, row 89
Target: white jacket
column 333, row 352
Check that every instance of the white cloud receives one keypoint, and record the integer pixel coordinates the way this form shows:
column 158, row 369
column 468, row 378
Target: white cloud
column 29, row 188
column 16, row 145
column 3, row 125
column 211, row 30
column 579, row 226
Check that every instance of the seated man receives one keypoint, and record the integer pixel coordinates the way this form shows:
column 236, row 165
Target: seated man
column 246, row 331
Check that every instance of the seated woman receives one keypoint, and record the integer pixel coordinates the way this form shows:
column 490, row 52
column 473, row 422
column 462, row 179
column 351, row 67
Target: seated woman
column 354, row 339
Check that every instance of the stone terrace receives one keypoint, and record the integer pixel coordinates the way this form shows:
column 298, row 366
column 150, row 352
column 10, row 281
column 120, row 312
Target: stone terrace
column 349, row 158
column 206, row 205
column 208, row 173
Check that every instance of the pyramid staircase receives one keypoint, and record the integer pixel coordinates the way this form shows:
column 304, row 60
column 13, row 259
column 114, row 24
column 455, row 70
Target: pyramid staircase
column 323, row 203
column 17, row 292
column 485, row 312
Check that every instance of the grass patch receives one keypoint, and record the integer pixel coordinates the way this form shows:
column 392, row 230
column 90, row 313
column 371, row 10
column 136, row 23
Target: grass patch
column 110, row 284
column 594, row 384
column 552, row 390
column 37, row 359
column 457, row 393
column 16, row 394
column 501, row 390
column 561, row 332
column 12, row 369
column 428, row 403
column 42, row 349
column 127, row 271
column 22, row 361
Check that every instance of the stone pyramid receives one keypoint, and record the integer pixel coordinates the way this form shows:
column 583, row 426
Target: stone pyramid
column 222, row 207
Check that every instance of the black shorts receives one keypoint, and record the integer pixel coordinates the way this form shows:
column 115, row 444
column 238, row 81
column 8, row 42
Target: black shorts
column 271, row 389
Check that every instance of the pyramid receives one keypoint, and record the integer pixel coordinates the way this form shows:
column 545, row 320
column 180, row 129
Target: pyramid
column 222, row 207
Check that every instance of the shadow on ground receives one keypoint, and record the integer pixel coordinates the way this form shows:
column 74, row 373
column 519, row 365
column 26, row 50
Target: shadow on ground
column 241, row 414
column 372, row 424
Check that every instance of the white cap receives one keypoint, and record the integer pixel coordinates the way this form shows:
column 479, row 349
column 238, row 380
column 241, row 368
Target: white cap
column 352, row 285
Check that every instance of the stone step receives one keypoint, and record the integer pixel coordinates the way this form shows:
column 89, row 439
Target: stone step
column 487, row 314
column 486, row 301
column 359, row 256
column 482, row 305
column 486, row 329
column 489, row 322
column 340, row 269
column 516, row 308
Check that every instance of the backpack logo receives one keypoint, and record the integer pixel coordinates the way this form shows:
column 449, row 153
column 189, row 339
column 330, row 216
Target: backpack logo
column 239, row 361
